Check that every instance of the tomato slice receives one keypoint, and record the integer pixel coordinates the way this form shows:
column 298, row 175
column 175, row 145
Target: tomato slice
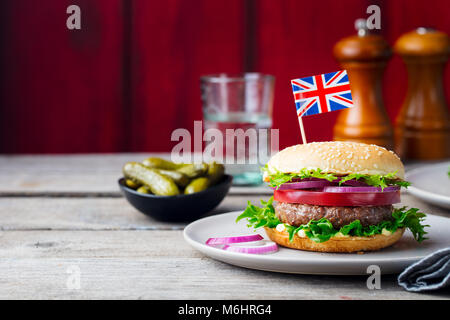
column 342, row 199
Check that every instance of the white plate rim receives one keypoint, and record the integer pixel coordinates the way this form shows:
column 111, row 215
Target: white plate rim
column 422, row 193
column 263, row 258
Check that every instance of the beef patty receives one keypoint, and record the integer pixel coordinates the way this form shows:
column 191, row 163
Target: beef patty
column 296, row 214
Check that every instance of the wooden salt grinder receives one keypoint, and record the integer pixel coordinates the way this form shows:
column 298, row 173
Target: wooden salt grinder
column 422, row 128
column 364, row 56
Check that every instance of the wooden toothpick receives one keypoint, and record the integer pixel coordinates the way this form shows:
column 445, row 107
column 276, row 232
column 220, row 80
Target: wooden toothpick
column 302, row 130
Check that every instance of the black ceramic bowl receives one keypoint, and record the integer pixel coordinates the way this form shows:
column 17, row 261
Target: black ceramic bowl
column 181, row 208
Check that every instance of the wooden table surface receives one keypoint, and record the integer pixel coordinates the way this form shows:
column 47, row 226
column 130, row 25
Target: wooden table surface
column 62, row 214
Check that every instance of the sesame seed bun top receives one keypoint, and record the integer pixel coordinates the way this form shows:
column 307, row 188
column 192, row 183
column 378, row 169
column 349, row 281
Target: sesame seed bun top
column 338, row 157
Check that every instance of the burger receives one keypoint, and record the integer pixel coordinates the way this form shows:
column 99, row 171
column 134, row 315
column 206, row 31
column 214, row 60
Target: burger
column 335, row 197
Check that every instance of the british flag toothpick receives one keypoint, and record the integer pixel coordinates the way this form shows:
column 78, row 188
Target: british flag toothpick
column 321, row 93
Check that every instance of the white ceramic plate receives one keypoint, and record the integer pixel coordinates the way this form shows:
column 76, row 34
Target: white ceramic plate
column 391, row 260
column 431, row 183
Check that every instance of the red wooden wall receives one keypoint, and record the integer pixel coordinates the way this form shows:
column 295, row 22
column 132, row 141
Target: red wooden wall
column 130, row 76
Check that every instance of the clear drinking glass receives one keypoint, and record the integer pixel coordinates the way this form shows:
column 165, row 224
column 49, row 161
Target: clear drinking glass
column 239, row 107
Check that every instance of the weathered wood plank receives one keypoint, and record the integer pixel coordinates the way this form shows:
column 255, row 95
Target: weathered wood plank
column 69, row 175
column 154, row 265
column 111, row 213
column 87, row 214
column 77, row 175
column 124, row 254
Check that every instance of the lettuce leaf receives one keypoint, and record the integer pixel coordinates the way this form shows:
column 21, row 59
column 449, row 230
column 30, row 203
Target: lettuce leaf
column 412, row 219
column 278, row 178
column 322, row 230
column 376, row 180
column 260, row 217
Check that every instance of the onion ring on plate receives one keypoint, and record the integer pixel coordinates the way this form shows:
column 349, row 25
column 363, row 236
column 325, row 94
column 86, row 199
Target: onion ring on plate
column 266, row 248
column 237, row 239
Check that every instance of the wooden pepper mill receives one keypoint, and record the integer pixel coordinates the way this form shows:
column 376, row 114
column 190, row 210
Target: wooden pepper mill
column 364, row 56
column 423, row 128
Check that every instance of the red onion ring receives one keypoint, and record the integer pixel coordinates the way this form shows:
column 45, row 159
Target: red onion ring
column 360, row 189
column 238, row 239
column 269, row 246
column 313, row 183
column 303, row 185
column 266, row 248
column 354, row 183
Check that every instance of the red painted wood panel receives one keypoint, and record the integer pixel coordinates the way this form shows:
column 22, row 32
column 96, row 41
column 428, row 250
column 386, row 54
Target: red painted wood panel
column 131, row 75
column 404, row 16
column 295, row 39
column 173, row 44
column 60, row 89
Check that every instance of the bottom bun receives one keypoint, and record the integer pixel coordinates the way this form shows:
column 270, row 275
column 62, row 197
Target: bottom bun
column 336, row 244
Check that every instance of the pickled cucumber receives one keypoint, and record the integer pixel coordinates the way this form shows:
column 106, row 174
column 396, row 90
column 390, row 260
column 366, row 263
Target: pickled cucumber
column 179, row 178
column 143, row 189
column 215, row 172
column 197, row 185
column 157, row 183
column 194, row 170
column 160, row 163
column 131, row 184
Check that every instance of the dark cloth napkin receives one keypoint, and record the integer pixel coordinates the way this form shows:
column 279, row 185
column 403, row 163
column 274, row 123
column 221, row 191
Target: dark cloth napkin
column 430, row 273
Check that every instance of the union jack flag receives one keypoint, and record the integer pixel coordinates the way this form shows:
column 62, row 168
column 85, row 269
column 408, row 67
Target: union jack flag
column 322, row 93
